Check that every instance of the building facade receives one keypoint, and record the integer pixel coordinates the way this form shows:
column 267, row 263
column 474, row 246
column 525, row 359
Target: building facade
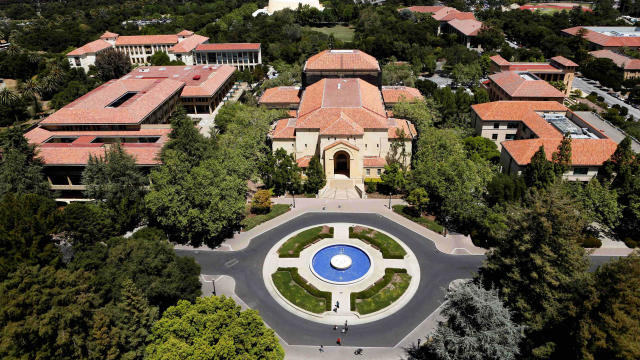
column 607, row 37
column 463, row 24
column 520, row 128
column 342, row 120
column 241, row 55
column 182, row 46
column 557, row 68
column 521, row 86
column 630, row 67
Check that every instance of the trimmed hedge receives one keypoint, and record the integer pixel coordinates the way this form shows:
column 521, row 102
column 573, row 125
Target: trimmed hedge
column 312, row 290
column 407, row 212
column 376, row 287
column 292, row 247
column 389, row 248
column 253, row 221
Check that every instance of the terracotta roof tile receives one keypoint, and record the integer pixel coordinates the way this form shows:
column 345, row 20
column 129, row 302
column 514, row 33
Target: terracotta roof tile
column 469, row 27
column 516, row 86
column 228, row 46
column 605, row 40
column 187, row 45
column 90, row 48
column 583, row 151
column 285, row 129
column 499, row 60
column 144, row 155
column 108, row 34
column 147, row 40
column 622, row 61
column 343, row 125
column 564, row 61
column 281, row 95
column 394, row 94
column 199, row 80
column 342, row 60
column 185, row 33
column 304, row 161
column 373, row 161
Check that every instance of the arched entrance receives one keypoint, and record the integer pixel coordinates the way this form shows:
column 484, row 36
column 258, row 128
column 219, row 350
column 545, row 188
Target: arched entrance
column 341, row 163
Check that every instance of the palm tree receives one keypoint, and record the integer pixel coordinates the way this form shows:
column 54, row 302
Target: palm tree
column 8, row 97
column 31, row 90
column 13, row 50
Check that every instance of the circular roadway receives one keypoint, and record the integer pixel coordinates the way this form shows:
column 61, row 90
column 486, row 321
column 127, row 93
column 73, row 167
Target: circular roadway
column 437, row 270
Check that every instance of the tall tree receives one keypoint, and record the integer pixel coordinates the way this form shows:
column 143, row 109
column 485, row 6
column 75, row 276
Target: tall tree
column 537, row 267
column 562, row 157
column 315, row 176
column 112, row 64
column 26, row 223
column 116, row 180
column 223, row 332
column 611, row 329
column 540, row 171
column 186, row 138
column 20, row 168
column 477, row 326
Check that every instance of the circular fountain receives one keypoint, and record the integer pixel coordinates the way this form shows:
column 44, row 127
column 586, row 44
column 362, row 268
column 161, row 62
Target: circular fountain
column 341, row 264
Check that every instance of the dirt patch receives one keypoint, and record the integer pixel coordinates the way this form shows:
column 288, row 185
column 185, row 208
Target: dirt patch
column 325, row 229
column 365, row 230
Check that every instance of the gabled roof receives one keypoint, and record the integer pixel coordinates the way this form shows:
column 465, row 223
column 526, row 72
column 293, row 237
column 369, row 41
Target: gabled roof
column 343, row 125
column 108, row 34
column 281, row 95
column 199, row 80
column 147, row 40
column 469, row 27
column 342, row 60
column 622, row 61
column 564, row 61
column 402, row 125
column 185, row 33
column 499, row 60
column 94, row 107
column 187, row 45
column 394, row 94
column 603, row 39
column 524, row 111
column 584, row 152
column 304, row 161
column 285, row 129
column 228, row 46
column 516, row 86
column 90, row 48
column 341, row 142
column 373, row 161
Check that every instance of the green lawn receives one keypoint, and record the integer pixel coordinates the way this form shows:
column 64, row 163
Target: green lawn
column 255, row 220
column 381, row 294
column 407, row 212
column 389, row 248
column 287, row 281
column 292, row 247
column 342, row 33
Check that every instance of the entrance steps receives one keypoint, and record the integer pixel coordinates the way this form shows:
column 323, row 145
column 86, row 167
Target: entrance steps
column 340, row 189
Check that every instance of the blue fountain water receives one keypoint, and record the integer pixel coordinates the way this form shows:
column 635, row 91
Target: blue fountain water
column 360, row 263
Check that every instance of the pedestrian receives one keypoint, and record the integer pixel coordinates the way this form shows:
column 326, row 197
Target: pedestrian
column 338, row 304
column 321, row 348
column 335, row 327
column 345, row 323
column 339, row 341
column 419, row 342
column 335, row 309
column 343, row 330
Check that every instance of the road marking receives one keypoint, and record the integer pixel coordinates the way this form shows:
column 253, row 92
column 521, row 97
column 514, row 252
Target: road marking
column 231, row 262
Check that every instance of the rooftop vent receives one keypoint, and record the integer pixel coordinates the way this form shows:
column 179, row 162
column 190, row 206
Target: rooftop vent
column 196, row 77
column 144, row 70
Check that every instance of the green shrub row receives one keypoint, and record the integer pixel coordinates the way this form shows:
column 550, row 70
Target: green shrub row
column 389, row 248
column 376, row 287
column 295, row 276
column 371, row 184
column 297, row 243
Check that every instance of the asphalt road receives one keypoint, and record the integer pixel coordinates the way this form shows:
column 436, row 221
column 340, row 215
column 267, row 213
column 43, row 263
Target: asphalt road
column 579, row 83
column 437, row 270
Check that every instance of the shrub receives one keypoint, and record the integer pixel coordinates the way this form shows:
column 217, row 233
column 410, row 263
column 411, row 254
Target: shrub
column 371, row 184
column 293, row 246
column 591, row 242
column 261, row 203
column 295, row 276
column 389, row 248
column 376, row 287
column 631, row 242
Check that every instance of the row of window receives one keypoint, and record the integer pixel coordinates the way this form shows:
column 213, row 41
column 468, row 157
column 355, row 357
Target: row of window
column 379, row 171
column 507, row 137
column 510, row 125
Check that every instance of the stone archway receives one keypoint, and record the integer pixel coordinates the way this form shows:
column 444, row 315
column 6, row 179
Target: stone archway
column 341, row 163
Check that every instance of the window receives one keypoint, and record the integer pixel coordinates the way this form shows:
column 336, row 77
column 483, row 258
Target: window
column 377, row 145
column 496, row 125
column 580, row 171
column 494, row 136
column 510, row 136
column 379, row 172
column 305, row 145
column 368, row 171
column 365, row 146
column 512, row 125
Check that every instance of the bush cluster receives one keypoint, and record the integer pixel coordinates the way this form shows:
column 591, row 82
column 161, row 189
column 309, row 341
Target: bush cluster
column 377, row 286
column 389, row 250
column 295, row 276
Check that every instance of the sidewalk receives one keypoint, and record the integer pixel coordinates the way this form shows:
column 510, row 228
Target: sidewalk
column 456, row 244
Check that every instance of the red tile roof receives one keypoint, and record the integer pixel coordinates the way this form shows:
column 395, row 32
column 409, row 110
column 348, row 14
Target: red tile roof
column 147, row 40
column 341, row 142
column 185, row 33
column 281, row 95
column 304, row 161
column 584, row 151
column 108, row 34
column 517, row 87
column 90, row 48
column 342, row 60
column 469, row 27
column 373, row 161
column 394, row 94
column 199, row 80
column 458, row 15
column 187, row 45
column 564, row 61
column 343, row 125
column 403, row 125
column 285, row 129
column 92, row 108
column 39, row 135
column 499, row 60
column 567, row 7
column 228, row 46
column 622, row 61
column 605, row 40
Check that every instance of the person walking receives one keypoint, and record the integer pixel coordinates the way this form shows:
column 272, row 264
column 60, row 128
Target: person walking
column 339, row 341
column 321, row 348
column 338, row 304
